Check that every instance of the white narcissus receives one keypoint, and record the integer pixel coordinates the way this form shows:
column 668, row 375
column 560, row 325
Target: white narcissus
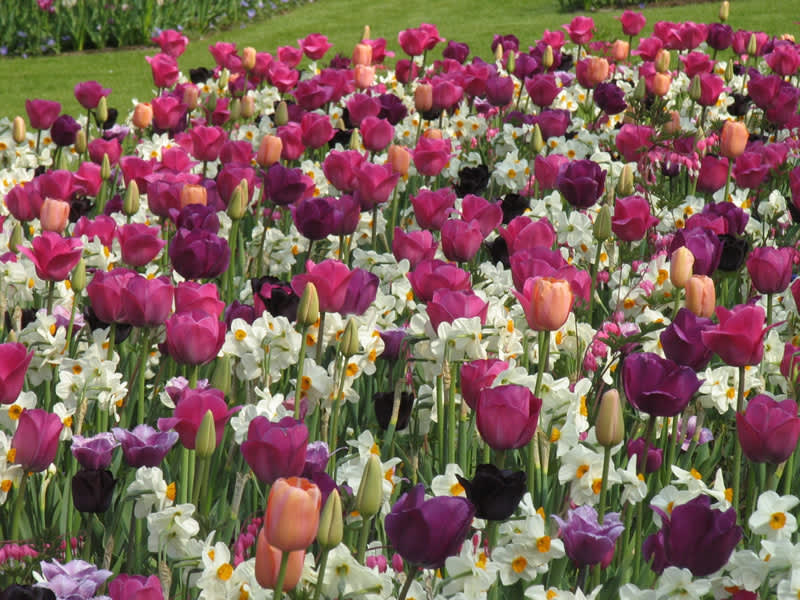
column 772, row 517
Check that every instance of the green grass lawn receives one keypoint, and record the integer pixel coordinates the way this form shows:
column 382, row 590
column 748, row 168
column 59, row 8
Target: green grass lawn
column 470, row 21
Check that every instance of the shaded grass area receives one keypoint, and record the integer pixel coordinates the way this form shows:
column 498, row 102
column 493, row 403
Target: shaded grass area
column 470, row 21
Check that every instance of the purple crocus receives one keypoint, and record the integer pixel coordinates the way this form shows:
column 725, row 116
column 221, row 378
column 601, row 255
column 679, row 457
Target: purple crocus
column 145, row 446
column 658, row 386
column 94, row 452
column 586, row 541
column 75, row 579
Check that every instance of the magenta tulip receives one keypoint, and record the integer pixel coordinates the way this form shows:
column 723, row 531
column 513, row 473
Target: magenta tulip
column 768, row 430
column 53, row 256
column 191, row 408
column 14, row 361
column 739, row 338
column 194, row 338
column 507, row 416
column 36, row 440
column 275, row 450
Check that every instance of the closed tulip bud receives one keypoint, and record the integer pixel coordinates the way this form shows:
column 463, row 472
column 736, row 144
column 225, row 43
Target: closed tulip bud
column 193, row 194
column 362, row 54
column 130, row 204
column 366, row 34
column 729, row 71
column 752, row 45
column 673, row 126
column 209, row 102
column 640, row 91
column 102, row 110
column 620, row 50
column 292, row 516
column 221, row 379
column 18, row 130
column 54, row 215
column 512, row 61
column 662, row 61
column 724, row 11
column 237, row 207
column 235, row 109
column 680, row 267
column 281, row 114
column 80, row 141
column 268, row 564
column 269, row 151
column 16, row 238
column 625, row 182
column 224, row 78
column 78, row 279
column 701, row 297
column 547, row 57
column 537, row 141
column 331, row 525
column 661, row 83
column 602, row 224
column 733, row 140
column 206, row 440
column 498, row 53
column 105, row 168
column 308, row 308
column 609, row 427
column 423, row 97
column 370, row 491
column 142, row 115
column 355, row 140
column 248, row 107
column 787, row 37
column 546, row 302
column 695, row 89
column 191, row 97
column 400, row 159
column 349, row 344
column 248, row 58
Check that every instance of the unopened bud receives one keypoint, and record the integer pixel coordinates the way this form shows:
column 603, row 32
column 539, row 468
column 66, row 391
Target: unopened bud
column 105, row 168
column 370, row 491
column 701, row 297
column 78, row 279
column 248, row 107
column 16, row 238
column 602, row 224
column 681, row 264
column 19, row 130
column 221, row 379
column 609, row 427
column 237, row 207
column 130, row 204
column 695, row 88
column 308, row 308
column 423, row 97
column 662, row 61
column 143, row 115
column 248, row 58
column 537, row 140
column 235, row 109
column 365, row 35
column 729, row 71
column 752, row 45
column 349, row 344
column 191, row 97
column 205, row 442
column 331, row 524
column 625, row 182
column 281, row 114
column 498, row 52
column 62, row 164
column 640, row 91
column 224, row 78
column 512, row 62
column 102, row 110
column 80, row 141
column 547, row 57
column 355, row 140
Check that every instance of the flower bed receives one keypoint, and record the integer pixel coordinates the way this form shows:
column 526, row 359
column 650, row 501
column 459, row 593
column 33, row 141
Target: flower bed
column 454, row 330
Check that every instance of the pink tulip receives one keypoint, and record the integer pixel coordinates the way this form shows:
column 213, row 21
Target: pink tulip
column 35, row 443
column 53, row 256
column 14, row 361
column 330, row 277
column 194, row 338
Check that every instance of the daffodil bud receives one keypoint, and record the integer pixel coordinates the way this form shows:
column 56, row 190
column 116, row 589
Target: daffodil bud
column 752, row 45
column 609, row 427
column 19, row 130
column 724, row 11
column 498, row 52
column 130, row 204
column 16, row 238
column 537, row 142
column 206, row 440
column 221, row 379
column 370, row 491
column 695, row 89
column 349, row 344
column 308, row 308
column 102, row 110
column 281, row 114
column 105, row 168
column 729, row 71
column 625, row 182
column 547, row 57
column 237, row 207
column 331, row 525
column 602, row 224
column 78, row 279
column 224, row 78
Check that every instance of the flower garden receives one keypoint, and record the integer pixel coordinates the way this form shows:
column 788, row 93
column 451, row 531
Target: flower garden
column 308, row 326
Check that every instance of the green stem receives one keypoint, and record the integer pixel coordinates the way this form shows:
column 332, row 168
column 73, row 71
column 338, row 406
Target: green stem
column 320, row 336
column 183, row 486
column 769, row 310
column 16, row 519
column 140, row 377
column 452, row 431
column 406, row 587
column 737, row 453
column 363, row 537
column 601, row 511
column 281, row 575
column 728, row 180
column 301, row 359
column 50, row 289
column 323, row 562
column 195, row 371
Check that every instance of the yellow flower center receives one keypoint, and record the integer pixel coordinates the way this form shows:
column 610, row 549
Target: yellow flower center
column 597, row 485
column 171, row 493
column 14, row 411
column 543, row 544
column 551, row 593
column 582, row 470
column 481, row 562
column 519, row 564
column 777, row 520
column 225, row 572
column 240, row 334
column 456, row 489
column 5, row 486
column 555, row 435
column 696, row 474
column 11, row 455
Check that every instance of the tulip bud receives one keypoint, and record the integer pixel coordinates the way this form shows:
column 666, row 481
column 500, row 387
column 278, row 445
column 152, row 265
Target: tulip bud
column 308, row 308
column 620, row 50
column 235, row 109
column 695, row 89
column 609, row 427
column 640, row 91
column 331, row 526
column 206, row 440
column 105, row 168
column 16, row 238
column 432, row 133
column 498, row 53
column 701, row 297
column 248, row 107
column 281, row 114
column 602, row 224
column 362, row 54
column 143, row 115
column 221, row 379
column 512, row 62
column 661, row 83
column 537, row 140
column 752, row 45
column 547, row 57
column 363, row 76
column 54, row 215
column 269, row 151
column 102, row 110
column 724, row 11
column 210, row 102
column 191, row 96
column 80, row 141
column 673, row 126
column 78, row 279
column 18, row 130
column 355, row 140
column 130, row 204
column 423, row 97
column 625, row 182
column 237, row 207
column 349, row 344
column 366, row 34
column 399, row 158
column 733, row 140
column 224, row 78
column 662, row 61
column 729, row 71
column 249, row 58
column 680, row 267
column 370, row 491
column 193, row 194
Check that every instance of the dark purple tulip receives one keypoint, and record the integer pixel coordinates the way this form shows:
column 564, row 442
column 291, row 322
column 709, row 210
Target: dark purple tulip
column 582, row 182
column 313, row 218
column 499, row 90
column 720, row 36
column 682, row 342
column 197, row 216
column 554, row 123
column 64, row 130
column 286, row 186
column 27, row 592
column 427, row 532
column 361, row 291
column 393, row 340
column 144, row 446
column 383, row 403
column 542, row 89
column 768, row 430
column 586, row 541
column 507, row 416
column 346, row 214
column 695, row 537
column 317, row 457
column 705, row 246
column 658, row 386
column 92, row 490
column 610, row 98
column 275, row 450
column 275, row 296
column 655, row 456
column 199, row 254
column 95, row 452
column 238, row 310
column 392, row 108
column 771, row 268
column 456, row 51
column 495, row 493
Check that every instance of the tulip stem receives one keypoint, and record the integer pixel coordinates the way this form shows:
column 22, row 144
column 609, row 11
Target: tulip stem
column 323, row 563
column 728, row 179
column 406, row 586
column 140, row 377
column 363, row 537
column 737, row 453
column 16, row 519
column 452, row 431
column 281, row 575
column 301, row 359
column 601, row 511
column 769, row 310
column 51, row 285
column 320, row 336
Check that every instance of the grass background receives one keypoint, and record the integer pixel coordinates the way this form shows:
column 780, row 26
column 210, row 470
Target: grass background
column 470, row 21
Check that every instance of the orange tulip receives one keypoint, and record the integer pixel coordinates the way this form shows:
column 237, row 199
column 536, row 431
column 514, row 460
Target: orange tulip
column 423, row 97
column 701, row 297
column 269, row 151
column 292, row 516
column 191, row 96
column 268, row 565
column 364, row 76
column 193, row 194
column 734, row 139
column 248, row 58
column 661, row 83
column 620, row 50
column 681, row 264
column 432, row 133
column 400, row 159
column 546, row 302
column 362, row 54
column 54, row 215
column 142, row 115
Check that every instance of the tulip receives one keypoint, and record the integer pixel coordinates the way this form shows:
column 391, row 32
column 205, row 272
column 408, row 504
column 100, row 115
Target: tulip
column 362, row 54
column 658, row 386
column 591, row 71
column 680, row 267
column 54, row 215
column 331, row 279
column 431, row 208
column 199, row 254
column 649, row 462
column 268, row 563
column 461, row 240
column 383, row 402
column 771, row 269
column 738, row 339
column 146, row 302
column 431, row 155
column 191, row 296
column 144, row 446
column 35, row 442
column 733, row 139
column 135, row 587
column 164, row 68
column 191, row 409
column 14, row 361
column 582, row 183
column 448, row 305
column 478, row 375
column 507, row 416
column 704, row 245
column 546, row 301
column 609, row 426
column 682, row 340
column 93, row 490
column 292, row 516
column 632, row 218
column 374, row 184
column 53, row 256
column 701, row 296
column 95, row 452
column 275, row 450
column 495, row 493
column 414, row 246
column 194, row 338
column 139, row 243
column 276, row 297
column 361, row 292
column 172, row 43
column 632, row 22
column 768, row 430
column 586, row 541
column 433, row 275
column 427, row 532
column 42, row 113
column 399, row 158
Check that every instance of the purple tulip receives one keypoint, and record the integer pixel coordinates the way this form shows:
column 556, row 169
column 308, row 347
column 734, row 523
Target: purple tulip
column 695, row 537
column 144, row 446
column 275, row 450
column 582, row 182
column 199, row 254
column 94, row 452
column 683, row 343
column 461, row 240
column 653, row 458
column 768, row 430
column 75, row 579
column 448, row 305
column 543, row 89
column 507, row 416
column 361, row 291
column 610, row 98
column 705, row 246
column 64, row 130
column 313, row 218
column 432, row 275
column 286, row 186
column 586, row 541
column 771, row 268
column 194, row 338
column 427, row 532
column 658, row 386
